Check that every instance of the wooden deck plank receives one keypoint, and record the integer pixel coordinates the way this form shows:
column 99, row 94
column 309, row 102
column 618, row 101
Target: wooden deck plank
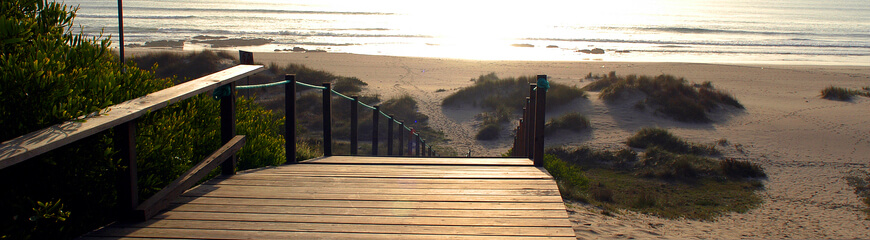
column 240, row 234
column 393, row 220
column 355, row 228
column 352, row 211
column 374, row 190
column 420, row 161
column 367, row 198
column 318, row 203
column 328, row 183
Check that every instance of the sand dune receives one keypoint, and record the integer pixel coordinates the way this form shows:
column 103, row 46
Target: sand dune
column 806, row 144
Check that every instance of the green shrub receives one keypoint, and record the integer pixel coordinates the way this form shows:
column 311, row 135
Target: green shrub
column 741, row 168
column 488, row 132
column 571, row 121
column 58, row 76
column 565, row 172
column 649, row 137
column 667, row 94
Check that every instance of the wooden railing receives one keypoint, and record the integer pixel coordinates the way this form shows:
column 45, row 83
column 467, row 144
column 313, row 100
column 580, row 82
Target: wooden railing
column 529, row 137
column 122, row 117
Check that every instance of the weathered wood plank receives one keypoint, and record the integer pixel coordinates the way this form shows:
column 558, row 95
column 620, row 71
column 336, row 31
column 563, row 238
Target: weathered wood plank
column 419, row 161
column 240, row 234
column 352, row 211
column 306, row 179
column 356, row 228
column 504, row 185
column 367, row 190
column 318, row 203
column 395, row 220
column 41, row 141
column 372, row 197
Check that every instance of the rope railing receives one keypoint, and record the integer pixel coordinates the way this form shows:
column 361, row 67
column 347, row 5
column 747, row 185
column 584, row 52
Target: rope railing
column 415, row 144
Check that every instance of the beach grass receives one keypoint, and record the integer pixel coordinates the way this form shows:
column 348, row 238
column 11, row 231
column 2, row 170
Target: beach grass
column 502, row 98
column 843, row 94
column 572, row 121
column 661, row 138
column 671, row 96
column 659, row 182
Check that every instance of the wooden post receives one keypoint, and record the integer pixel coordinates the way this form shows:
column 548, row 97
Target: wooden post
column 530, row 123
column 540, row 111
column 430, row 151
column 401, row 139
column 390, row 136
column 375, row 113
column 290, row 118
column 327, row 120
column 128, row 189
column 228, row 128
column 354, row 131
column 247, row 58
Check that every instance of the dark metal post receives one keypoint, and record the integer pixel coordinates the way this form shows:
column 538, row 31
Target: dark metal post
column 228, row 127
column 375, row 113
column 128, row 189
column 290, row 118
column 327, row 120
column 390, row 136
column 401, row 139
column 354, row 131
column 121, row 30
column 540, row 111
column 419, row 145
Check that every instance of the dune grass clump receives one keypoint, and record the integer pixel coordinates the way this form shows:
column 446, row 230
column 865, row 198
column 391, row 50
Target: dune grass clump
column 666, row 94
column 661, row 182
column 860, row 180
column 843, row 94
column 661, row 138
column 503, row 98
column 570, row 121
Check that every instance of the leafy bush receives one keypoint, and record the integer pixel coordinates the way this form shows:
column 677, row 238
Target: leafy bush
column 741, row 168
column 488, row 132
column 492, row 92
column 649, row 137
column 571, row 121
column 565, row 172
column 58, row 76
column 668, row 95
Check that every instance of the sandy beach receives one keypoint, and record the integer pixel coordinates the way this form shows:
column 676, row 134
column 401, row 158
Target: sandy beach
column 807, row 145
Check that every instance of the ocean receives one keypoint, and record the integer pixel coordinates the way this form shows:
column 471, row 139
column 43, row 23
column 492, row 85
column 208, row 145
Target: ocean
column 829, row 32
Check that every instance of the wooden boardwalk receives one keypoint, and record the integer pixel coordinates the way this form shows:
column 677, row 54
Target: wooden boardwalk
column 344, row 197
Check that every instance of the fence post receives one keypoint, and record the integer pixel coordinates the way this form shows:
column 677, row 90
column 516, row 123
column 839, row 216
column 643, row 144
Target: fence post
column 290, row 118
column 228, row 127
column 419, row 144
column 530, row 123
column 401, row 138
column 375, row 113
column 128, row 188
column 390, row 136
column 354, row 116
column 540, row 111
column 430, row 151
column 327, row 120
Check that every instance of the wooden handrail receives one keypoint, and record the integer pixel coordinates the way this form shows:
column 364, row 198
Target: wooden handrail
column 27, row 146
